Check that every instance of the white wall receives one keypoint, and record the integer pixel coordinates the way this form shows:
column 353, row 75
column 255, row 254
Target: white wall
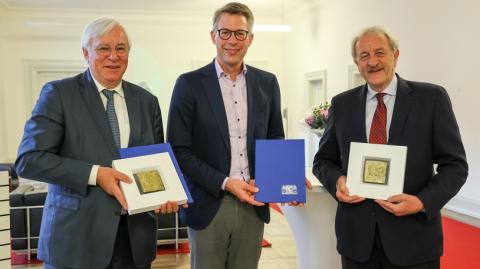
column 164, row 46
column 438, row 43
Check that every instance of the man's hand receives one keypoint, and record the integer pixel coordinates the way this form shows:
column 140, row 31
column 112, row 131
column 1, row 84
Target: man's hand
column 169, row 207
column 108, row 179
column 342, row 193
column 308, row 184
column 402, row 204
column 243, row 190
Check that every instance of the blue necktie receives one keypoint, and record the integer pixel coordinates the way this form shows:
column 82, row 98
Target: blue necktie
column 112, row 116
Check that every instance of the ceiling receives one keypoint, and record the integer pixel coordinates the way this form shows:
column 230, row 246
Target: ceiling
column 264, row 7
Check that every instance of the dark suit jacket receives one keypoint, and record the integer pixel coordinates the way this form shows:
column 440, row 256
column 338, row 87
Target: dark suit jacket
column 198, row 132
column 423, row 120
column 67, row 133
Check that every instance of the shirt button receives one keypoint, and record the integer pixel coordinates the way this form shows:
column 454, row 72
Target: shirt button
column 239, row 137
column 241, row 173
column 241, row 154
column 238, row 119
column 235, row 102
column 234, row 85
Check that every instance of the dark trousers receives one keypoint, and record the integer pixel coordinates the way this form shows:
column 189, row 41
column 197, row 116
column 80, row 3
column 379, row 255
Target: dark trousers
column 122, row 253
column 378, row 260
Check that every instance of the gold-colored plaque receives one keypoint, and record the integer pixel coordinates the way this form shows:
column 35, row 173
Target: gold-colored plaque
column 149, row 181
column 375, row 170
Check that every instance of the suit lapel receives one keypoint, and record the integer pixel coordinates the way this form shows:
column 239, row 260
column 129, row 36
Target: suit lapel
column 214, row 96
column 251, row 100
column 358, row 115
column 403, row 104
column 134, row 112
column 92, row 100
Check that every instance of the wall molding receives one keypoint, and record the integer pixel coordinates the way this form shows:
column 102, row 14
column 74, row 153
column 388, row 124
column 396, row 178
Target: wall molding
column 3, row 132
column 32, row 68
column 465, row 205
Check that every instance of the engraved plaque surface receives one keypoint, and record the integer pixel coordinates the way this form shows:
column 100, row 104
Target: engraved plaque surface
column 149, row 181
column 375, row 170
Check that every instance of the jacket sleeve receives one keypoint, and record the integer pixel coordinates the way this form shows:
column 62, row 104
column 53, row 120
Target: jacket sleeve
column 39, row 152
column 327, row 161
column 275, row 123
column 180, row 131
column 449, row 155
column 157, row 123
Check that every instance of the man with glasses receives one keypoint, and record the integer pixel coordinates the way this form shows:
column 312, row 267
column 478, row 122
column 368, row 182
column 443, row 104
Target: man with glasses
column 74, row 133
column 216, row 114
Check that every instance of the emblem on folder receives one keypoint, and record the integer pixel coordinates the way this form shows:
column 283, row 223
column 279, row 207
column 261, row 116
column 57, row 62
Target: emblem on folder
column 289, row 190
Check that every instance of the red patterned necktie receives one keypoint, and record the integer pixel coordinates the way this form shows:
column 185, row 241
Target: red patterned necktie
column 378, row 130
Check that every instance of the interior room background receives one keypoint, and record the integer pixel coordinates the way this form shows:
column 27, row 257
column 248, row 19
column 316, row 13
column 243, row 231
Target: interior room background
column 439, row 43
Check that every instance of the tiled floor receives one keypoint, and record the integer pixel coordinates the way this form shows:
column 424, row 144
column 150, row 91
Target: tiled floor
column 282, row 254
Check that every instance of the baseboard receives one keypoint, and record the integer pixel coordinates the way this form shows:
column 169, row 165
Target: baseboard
column 465, row 205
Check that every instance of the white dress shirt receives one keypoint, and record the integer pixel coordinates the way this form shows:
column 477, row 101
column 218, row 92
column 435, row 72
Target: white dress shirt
column 122, row 117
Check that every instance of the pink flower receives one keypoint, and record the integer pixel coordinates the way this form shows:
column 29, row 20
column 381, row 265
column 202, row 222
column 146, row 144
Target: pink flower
column 310, row 120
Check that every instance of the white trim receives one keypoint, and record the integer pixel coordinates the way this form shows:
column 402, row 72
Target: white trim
column 312, row 139
column 320, row 75
column 34, row 67
column 353, row 73
column 3, row 123
column 464, row 205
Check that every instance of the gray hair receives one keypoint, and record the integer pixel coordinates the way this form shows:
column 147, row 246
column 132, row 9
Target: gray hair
column 234, row 8
column 374, row 30
column 98, row 28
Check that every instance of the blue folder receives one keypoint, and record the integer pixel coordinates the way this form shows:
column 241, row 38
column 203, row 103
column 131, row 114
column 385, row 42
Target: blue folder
column 154, row 149
column 280, row 171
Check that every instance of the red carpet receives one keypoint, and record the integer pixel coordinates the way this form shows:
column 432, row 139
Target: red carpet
column 170, row 249
column 462, row 245
column 276, row 207
column 21, row 258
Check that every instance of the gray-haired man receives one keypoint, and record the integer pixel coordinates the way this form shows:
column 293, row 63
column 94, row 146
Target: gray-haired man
column 74, row 133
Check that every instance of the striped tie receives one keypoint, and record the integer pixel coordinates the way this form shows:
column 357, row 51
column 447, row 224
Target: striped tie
column 112, row 116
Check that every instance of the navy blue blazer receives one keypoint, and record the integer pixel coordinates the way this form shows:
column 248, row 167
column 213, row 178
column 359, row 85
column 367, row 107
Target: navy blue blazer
column 423, row 120
column 66, row 135
column 198, row 132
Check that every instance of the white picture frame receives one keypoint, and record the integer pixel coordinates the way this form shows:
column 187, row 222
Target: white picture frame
column 139, row 202
column 376, row 171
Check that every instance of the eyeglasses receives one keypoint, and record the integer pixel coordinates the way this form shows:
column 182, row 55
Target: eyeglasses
column 104, row 50
column 225, row 34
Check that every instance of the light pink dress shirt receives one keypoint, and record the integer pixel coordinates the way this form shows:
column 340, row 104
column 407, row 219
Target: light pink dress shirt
column 234, row 94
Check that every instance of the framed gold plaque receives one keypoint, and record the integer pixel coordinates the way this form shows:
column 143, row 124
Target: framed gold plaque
column 155, row 177
column 149, row 181
column 375, row 170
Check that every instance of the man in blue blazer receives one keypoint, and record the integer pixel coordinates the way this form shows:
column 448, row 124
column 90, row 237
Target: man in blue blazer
column 70, row 140
column 216, row 114
column 404, row 231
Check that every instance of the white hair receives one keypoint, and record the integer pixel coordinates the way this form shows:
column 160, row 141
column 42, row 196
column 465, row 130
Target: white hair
column 98, row 28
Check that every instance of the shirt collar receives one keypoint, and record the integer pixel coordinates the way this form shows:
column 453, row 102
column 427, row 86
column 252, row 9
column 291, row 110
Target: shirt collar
column 118, row 88
column 220, row 71
column 391, row 89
